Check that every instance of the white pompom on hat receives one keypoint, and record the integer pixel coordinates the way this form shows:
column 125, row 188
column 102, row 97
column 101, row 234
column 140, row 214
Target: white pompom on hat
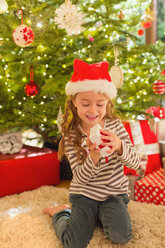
column 91, row 77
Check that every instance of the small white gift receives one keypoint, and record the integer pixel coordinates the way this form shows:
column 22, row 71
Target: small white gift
column 95, row 138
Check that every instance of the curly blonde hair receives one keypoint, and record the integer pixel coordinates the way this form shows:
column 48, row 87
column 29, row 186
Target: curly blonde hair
column 71, row 121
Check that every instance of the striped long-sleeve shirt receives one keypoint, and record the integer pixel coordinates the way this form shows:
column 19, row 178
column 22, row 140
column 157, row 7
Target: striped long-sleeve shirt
column 106, row 178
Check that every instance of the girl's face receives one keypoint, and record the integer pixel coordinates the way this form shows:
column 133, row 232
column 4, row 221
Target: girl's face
column 91, row 108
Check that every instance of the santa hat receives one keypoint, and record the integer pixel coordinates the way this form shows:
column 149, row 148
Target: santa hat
column 91, row 77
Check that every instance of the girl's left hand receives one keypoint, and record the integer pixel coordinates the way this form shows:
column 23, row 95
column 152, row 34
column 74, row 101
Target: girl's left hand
column 112, row 140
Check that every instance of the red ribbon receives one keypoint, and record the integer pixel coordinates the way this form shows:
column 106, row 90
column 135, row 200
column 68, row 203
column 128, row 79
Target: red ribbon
column 31, row 73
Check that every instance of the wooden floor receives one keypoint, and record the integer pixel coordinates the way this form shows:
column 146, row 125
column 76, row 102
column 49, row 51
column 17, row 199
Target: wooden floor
column 64, row 184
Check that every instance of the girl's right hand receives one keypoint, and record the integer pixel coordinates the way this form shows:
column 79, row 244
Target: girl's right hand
column 93, row 151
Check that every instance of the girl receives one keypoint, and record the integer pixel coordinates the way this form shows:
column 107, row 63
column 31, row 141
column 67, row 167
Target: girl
column 99, row 189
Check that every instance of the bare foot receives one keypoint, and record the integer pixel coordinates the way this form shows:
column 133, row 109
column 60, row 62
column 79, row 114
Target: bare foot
column 53, row 210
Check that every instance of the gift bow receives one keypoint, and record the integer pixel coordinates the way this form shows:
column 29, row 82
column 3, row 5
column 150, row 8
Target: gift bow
column 142, row 148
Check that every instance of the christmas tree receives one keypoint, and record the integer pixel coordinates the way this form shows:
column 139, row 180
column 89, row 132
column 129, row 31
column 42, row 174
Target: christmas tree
column 99, row 30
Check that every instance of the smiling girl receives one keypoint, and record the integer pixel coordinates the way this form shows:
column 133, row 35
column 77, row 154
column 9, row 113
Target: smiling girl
column 99, row 189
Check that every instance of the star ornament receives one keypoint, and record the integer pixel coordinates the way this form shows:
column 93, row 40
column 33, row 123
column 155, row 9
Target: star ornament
column 70, row 18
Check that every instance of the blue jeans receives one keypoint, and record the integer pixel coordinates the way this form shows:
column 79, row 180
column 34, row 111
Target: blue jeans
column 75, row 227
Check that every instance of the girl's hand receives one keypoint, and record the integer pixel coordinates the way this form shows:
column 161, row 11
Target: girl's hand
column 93, row 151
column 112, row 140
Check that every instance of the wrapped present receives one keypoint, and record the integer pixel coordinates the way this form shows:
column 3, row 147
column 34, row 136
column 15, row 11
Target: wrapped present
column 163, row 160
column 146, row 143
column 133, row 176
column 151, row 188
column 10, row 142
column 28, row 169
column 95, row 138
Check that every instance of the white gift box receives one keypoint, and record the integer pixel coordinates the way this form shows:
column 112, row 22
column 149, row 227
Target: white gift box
column 95, row 138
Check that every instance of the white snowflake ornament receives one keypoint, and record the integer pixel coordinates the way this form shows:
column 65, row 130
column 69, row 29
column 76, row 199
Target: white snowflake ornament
column 70, row 18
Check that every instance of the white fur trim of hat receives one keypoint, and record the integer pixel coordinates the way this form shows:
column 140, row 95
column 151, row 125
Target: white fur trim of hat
column 102, row 86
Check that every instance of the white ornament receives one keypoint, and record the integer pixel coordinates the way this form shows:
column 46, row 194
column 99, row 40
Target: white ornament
column 70, row 18
column 3, row 6
column 116, row 76
column 59, row 119
column 23, row 35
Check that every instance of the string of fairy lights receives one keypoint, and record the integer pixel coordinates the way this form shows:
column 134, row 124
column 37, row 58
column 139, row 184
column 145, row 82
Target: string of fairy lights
column 69, row 41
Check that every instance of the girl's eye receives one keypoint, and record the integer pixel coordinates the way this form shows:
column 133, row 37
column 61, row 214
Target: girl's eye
column 85, row 105
column 99, row 105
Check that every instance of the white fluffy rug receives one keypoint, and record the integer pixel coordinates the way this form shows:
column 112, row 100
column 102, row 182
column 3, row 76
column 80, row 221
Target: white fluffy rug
column 23, row 225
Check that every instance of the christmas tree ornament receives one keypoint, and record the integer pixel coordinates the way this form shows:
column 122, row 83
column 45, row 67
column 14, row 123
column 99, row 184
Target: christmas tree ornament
column 116, row 76
column 23, row 35
column 147, row 18
column 59, row 119
column 163, row 72
column 146, row 24
column 140, row 32
column 69, row 17
column 121, row 15
column 115, row 72
column 3, row 6
column 31, row 88
column 91, row 39
column 158, row 87
column 149, row 14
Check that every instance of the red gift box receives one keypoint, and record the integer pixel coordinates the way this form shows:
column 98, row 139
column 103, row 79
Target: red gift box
column 145, row 142
column 30, row 168
column 151, row 188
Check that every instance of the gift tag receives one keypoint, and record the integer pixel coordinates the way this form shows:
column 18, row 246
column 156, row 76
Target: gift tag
column 116, row 76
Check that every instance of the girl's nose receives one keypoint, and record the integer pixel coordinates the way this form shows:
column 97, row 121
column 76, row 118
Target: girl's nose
column 92, row 108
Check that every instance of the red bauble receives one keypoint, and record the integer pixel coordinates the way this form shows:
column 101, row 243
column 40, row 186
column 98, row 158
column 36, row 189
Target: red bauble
column 31, row 89
column 140, row 32
column 158, row 87
column 146, row 24
column 91, row 38
column 121, row 15
column 163, row 72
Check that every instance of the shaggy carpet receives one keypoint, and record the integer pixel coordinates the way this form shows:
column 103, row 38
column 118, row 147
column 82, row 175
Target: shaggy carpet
column 23, row 225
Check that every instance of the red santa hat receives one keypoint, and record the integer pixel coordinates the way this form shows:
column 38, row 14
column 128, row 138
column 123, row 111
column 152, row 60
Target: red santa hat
column 91, row 77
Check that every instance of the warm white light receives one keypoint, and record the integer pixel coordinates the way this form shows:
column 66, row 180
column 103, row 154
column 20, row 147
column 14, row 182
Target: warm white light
column 3, row 6
column 39, row 25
